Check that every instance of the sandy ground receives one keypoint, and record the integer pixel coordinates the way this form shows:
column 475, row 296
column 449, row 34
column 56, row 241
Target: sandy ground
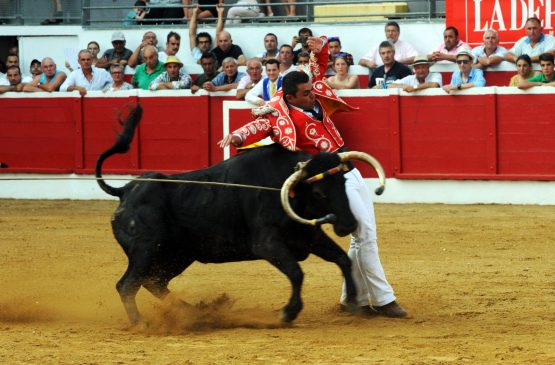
column 478, row 282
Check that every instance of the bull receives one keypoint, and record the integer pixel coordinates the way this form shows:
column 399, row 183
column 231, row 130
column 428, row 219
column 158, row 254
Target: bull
column 163, row 226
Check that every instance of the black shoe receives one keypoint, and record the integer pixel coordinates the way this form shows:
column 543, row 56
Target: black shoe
column 51, row 21
column 391, row 310
column 364, row 310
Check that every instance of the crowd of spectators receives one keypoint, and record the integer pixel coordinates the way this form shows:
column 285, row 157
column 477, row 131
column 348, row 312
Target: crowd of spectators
column 391, row 63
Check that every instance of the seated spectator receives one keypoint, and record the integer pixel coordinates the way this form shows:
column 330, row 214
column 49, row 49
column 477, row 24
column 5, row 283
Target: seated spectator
column 226, row 80
column 265, row 89
column 148, row 71
column 166, row 12
column 447, row 51
column 422, row 78
column 117, row 55
column 13, row 60
column 533, row 44
column 524, row 70
column 467, row 77
column 247, row 82
column 86, row 78
column 342, row 79
column 173, row 42
column 118, row 83
column 291, row 9
column 391, row 69
column 136, row 16
column 302, row 39
column 271, row 49
column 50, row 80
column 209, row 65
column 208, row 8
column 546, row 78
column 243, row 9
column 334, row 48
column 149, row 39
column 303, row 59
column 226, row 49
column 35, row 68
column 404, row 51
column 175, row 77
column 286, row 59
column 94, row 48
column 202, row 42
column 490, row 53
column 13, row 76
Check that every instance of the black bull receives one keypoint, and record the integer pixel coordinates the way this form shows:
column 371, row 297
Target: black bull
column 163, row 227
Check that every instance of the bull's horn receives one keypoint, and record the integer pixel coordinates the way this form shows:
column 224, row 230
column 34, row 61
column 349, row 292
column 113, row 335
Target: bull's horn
column 288, row 185
column 354, row 155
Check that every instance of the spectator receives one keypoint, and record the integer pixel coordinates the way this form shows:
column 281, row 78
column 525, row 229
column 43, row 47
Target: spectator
column 50, row 80
column 533, row 44
column 13, row 77
column 136, row 16
column 117, row 55
column 202, row 42
column 271, row 49
column 35, row 68
column 175, row 77
column 226, row 80
column 243, row 9
column 118, row 83
column 209, row 65
column 334, row 47
column 149, row 39
column 467, row 77
column 391, row 69
column 226, row 49
column 546, row 78
column 166, row 11
column 87, row 77
column 422, row 78
column 173, row 42
column 303, row 59
column 286, row 59
column 208, row 8
column 94, row 48
column 247, row 82
column 342, row 79
column 13, row 60
column 404, row 51
column 451, row 45
column 148, row 71
column 490, row 53
column 265, row 89
column 524, row 70
column 291, row 9
column 302, row 39
column 57, row 14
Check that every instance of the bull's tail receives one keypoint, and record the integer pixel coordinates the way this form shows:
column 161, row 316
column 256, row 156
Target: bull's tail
column 121, row 146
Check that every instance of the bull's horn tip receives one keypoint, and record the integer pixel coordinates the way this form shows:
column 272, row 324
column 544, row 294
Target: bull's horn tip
column 379, row 190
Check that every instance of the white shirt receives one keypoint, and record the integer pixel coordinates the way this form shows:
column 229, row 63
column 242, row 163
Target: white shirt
column 25, row 79
column 292, row 68
column 100, row 79
column 402, row 50
column 411, row 80
column 253, row 96
column 523, row 46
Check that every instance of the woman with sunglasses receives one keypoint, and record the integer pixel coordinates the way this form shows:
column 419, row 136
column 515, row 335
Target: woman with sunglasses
column 342, row 79
column 467, row 77
column 524, row 70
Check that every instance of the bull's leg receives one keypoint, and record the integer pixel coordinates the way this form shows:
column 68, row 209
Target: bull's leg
column 279, row 256
column 328, row 250
column 161, row 275
column 127, row 287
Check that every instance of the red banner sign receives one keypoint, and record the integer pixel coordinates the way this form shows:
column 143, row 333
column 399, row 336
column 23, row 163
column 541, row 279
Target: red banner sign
column 508, row 17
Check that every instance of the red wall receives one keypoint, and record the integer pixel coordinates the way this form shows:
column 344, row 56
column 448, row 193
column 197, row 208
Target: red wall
column 491, row 136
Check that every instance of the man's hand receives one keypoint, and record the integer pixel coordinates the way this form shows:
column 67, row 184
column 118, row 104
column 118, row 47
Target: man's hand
column 230, row 139
column 209, row 86
column 315, row 44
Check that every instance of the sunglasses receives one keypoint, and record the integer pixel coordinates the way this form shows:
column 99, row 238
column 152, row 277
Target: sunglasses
column 333, row 39
column 463, row 62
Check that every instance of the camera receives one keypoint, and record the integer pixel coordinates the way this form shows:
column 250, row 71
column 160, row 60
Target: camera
column 303, row 39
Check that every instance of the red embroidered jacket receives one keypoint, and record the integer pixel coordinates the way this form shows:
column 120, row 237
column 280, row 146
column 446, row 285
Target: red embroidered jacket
column 294, row 129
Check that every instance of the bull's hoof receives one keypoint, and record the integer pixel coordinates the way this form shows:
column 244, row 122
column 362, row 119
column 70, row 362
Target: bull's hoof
column 287, row 317
column 139, row 326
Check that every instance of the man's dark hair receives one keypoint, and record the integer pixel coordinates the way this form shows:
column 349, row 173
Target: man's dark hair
column 525, row 58
column 305, row 30
column 455, row 30
column 386, row 44
column 35, row 62
column 273, row 35
column 211, row 55
column 273, row 61
column 286, row 45
column 203, row 35
column 141, row 3
column 174, row 35
column 14, row 68
column 303, row 54
column 546, row 57
column 291, row 81
column 394, row 24
column 534, row 19
column 11, row 54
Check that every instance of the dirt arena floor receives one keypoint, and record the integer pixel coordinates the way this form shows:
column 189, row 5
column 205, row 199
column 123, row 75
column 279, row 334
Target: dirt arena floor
column 478, row 282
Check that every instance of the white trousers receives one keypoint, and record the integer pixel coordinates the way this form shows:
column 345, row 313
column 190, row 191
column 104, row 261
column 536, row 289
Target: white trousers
column 368, row 274
column 235, row 14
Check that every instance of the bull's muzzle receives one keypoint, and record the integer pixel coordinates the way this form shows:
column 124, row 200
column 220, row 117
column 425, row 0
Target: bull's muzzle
column 300, row 175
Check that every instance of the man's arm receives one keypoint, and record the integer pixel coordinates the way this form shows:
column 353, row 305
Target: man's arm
column 253, row 95
column 245, row 136
column 54, row 84
column 193, row 27
column 525, row 84
column 103, row 61
column 134, row 59
column 220, row 23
